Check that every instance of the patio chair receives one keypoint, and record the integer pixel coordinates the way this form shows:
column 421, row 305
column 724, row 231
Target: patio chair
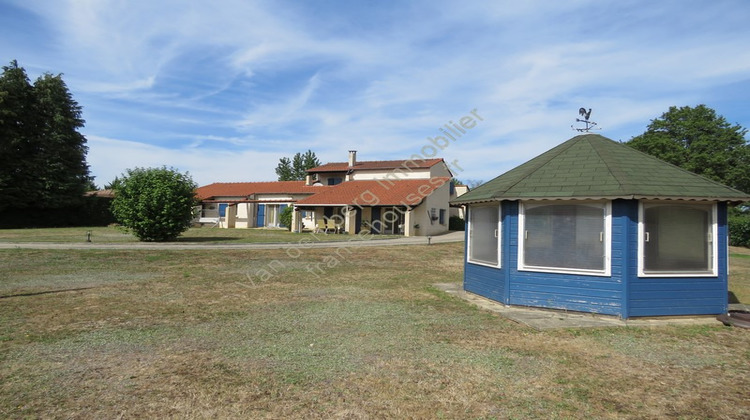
column 321, row 226
column 331, row 224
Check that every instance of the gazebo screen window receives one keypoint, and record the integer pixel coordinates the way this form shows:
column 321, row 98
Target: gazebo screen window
column 677, row 238
column 565, row 237
column 484, row 234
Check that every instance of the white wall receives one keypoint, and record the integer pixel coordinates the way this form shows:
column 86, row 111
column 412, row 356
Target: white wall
column 395, row 175
column 420, row 214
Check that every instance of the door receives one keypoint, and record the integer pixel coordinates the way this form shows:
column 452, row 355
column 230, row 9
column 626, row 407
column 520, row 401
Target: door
column 261, row 218
column 377, row 225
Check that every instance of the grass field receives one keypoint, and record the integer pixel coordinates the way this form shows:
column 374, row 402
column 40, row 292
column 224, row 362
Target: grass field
column 363, row 334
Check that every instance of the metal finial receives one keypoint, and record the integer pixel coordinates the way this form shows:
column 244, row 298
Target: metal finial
column 586, row 120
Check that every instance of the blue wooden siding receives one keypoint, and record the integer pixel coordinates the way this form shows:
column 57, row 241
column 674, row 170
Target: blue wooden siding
column 484, row 281
column 573, row 292
column 622, row 294
column 490, row 282
column 654, row 296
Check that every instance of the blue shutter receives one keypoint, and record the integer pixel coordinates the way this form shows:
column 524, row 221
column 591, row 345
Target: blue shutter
column 223, row 209
column 261, row 218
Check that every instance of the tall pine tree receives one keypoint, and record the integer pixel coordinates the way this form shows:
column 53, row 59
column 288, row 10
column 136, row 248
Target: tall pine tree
column 17, row 126
column 62, row 149
column 42, row 154
column 296, row 168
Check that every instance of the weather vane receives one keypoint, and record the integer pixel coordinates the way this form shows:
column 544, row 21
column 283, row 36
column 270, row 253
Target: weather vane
column 589, row 124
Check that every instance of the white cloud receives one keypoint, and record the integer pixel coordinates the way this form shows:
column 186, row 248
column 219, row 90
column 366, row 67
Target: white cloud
column 225, row 89
column 110, row 158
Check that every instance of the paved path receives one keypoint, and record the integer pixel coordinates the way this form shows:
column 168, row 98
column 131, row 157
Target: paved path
column 303, row 242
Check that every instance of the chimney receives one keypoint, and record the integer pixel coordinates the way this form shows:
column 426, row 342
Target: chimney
column 352, row 158
column 308, row 179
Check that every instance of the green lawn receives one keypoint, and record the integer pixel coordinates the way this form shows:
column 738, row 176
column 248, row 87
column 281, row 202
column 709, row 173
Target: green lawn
column 193, row 235
column 329, row 333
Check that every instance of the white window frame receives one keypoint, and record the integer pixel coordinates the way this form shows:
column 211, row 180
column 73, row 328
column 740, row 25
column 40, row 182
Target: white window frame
column 497, row 233
column 607, row 239
column 714, row 271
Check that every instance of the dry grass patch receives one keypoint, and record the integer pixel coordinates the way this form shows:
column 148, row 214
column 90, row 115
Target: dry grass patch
column 180, row 334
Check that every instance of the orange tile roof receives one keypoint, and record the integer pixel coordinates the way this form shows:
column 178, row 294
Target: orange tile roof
column 377, row 164
column 244, row 189
column 376, row 193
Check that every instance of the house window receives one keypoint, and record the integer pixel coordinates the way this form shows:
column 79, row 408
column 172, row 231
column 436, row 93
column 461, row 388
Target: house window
column 484, row 235
column 565, row 237
column 442, row 217
column 677, row 239
column 335, row 181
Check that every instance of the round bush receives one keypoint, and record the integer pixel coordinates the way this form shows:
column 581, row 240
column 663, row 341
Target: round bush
column 156, row 204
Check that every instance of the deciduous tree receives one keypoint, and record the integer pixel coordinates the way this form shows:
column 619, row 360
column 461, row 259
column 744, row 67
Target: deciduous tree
column 700, row 141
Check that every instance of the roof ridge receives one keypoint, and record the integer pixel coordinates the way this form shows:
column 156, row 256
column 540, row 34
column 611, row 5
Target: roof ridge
column 249, row 182
column 359, row 162
column 612, row 164
column 528, row 165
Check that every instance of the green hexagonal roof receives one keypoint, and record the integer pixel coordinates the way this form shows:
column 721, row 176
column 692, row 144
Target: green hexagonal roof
column 590, row 166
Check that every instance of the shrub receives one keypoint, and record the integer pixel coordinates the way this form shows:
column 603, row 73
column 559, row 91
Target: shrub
column 156, row 204
column 739, row 229
column 286, row 217
column 456, row 223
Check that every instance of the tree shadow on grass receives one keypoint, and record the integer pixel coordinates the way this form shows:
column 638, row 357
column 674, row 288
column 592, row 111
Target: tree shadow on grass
column 45, row 292
column 733, row 298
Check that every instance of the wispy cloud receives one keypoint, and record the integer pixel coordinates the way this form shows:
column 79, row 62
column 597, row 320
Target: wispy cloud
column 226, row 89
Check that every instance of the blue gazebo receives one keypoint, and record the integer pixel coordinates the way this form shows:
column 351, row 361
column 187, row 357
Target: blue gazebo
column 593, row 225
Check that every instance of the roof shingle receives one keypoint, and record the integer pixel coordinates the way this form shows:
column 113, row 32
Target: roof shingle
column 244, row 189
column 591, row 166
column 376, row 193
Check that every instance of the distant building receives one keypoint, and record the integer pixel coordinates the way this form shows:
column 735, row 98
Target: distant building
column 407, row 197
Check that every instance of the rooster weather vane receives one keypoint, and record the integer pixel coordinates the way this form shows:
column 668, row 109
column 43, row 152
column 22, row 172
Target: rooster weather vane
column 589, row 124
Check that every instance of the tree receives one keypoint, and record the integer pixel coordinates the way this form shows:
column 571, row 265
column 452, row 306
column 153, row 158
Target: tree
column 61, row 149
column 114, row 184
column 156, row 204
column 295, row 169
column 284, row 170
column 698, row 140
column 42, row 154
column 16, row 135
column 471, row 183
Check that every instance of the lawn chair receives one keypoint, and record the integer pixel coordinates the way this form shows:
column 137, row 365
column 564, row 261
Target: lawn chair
column 331, row 224
column 321, row 226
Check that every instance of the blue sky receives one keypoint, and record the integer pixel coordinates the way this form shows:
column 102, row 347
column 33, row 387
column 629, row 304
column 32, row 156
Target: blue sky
column 223, row 89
